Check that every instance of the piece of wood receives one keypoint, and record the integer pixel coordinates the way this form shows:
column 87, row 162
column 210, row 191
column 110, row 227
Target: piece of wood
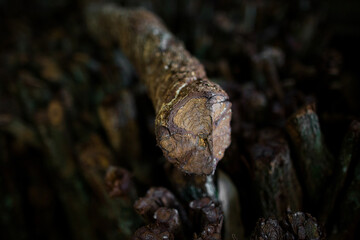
column 274, row 176
column 193, row 114
column 347, row 215
column 155, row 198
column 206, row 215
column 294, row 225
column 160, row 208
column 347, row 155
column 313, row 158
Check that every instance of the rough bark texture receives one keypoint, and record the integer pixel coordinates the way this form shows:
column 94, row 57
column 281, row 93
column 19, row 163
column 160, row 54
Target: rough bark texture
column 163, row 212
column 274, row 174
column 297, row 225
column 169, row 217
column 193, row 114
column 210, row 216
column 155, row 198
column 153, row 231
column 267, row 229
column 314, row 159
column 167, row 226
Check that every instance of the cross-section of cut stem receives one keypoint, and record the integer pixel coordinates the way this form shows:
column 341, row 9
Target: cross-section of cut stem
column 192, row 113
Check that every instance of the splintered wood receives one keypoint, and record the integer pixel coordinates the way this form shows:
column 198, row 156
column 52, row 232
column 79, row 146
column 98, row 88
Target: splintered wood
column 192, row 113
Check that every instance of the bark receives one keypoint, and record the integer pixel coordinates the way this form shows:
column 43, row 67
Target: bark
column 193, row 115
column 274, row 175
column 347, row 156
column 153, row 231
column 347, row 216
column 155, row 198
column 296, row 225
column 164, row 214
column 209, row 215
column 169, row 217
column 313, row 158
column 267, row 229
